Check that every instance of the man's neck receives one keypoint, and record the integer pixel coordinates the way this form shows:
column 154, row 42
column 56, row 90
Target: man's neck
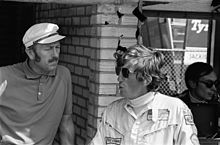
column 35, row 68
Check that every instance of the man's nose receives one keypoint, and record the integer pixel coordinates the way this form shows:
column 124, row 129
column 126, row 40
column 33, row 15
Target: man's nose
column 56, row 52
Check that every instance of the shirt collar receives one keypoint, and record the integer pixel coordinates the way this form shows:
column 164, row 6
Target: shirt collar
column 195, row 100
column 30, row 74
column 142, row 100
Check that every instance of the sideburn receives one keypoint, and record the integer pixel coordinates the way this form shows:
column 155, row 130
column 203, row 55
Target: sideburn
column 37, row 57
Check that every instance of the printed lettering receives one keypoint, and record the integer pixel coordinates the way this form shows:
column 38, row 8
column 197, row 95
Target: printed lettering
column 198, row 26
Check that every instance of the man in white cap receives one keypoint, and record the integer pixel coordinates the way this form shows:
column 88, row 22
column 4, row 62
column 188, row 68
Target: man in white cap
column 36, row 95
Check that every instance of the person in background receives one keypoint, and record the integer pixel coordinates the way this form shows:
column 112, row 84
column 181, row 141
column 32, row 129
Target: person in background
column 144, row 116
column 201, row 82
column 36, row 95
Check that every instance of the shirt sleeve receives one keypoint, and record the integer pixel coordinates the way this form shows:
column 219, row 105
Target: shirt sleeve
column 99, row 136
column 68, row 105
column 187, row 131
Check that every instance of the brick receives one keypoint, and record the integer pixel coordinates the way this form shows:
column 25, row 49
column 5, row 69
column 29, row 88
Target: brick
column 80, row 11
column 78, row 90
column 128, row 42
column 106, row 8
column 107, row 53
column 86, row 91
column 82, row 81
column 92, row 64
column 72, row 11
column 79, row 50
column 107, row 89
column 92, row 88
column 79, row 141
column 91, row 109
column 91, row 132
column 108, row 42
column 106, row 78
column 88, row 10
column 88, row 31
column 71, row 49
column 80, row 31
column 117, row 31
column 75, row 20
column 127, row 9
column 84, row 41
column 129, row 20
column 84, row 111
column 84, row 134
column 68, row 40
column 85, row 20
column 90, row 120
column 106, row 100
column 83, row 61
column 75, row 59
column 107, row 66
column 103, row 18
column 78, row 70
column 74, row 99
column 75, row 40
column 87, row 51
column 68, row 21
column 74, row 79
column 76, row 109
column 94, row 42
column 81, row 102
column 51, row 13
column 86, row 72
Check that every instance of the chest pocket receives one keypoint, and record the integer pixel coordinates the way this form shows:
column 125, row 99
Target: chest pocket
column 113, row 136
column 162, row 128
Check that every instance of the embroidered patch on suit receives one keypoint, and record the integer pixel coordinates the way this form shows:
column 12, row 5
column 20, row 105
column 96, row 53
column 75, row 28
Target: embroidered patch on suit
column 163, row 115
column 194, row 139
column 112, row 141
column 189, row 119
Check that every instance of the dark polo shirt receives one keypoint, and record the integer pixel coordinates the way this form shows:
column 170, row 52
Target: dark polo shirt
column 32, row 105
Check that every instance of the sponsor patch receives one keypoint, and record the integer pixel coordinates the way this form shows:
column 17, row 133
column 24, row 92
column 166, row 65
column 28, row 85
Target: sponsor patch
column 113, row 141
column 194, row 139
column 163, row 115
column 189, row 119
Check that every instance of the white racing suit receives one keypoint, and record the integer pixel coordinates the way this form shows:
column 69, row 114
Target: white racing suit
column 165, row 121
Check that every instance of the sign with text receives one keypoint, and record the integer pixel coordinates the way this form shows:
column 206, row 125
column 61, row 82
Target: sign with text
column 196, row 41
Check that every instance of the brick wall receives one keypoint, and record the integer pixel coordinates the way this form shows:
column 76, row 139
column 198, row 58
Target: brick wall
column 92, row 35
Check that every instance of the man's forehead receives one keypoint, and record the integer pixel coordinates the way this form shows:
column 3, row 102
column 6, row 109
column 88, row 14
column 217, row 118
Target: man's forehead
column 211, row 76
column 49, row 44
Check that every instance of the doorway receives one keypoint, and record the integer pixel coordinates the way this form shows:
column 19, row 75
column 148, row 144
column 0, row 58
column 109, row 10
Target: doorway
column 16, row 18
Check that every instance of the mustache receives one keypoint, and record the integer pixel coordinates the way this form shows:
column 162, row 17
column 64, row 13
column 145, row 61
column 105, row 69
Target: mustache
column 54, row 59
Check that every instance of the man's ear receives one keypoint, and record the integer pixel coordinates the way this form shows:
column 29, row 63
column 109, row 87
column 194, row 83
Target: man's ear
column 30, row 53
column 192, row 84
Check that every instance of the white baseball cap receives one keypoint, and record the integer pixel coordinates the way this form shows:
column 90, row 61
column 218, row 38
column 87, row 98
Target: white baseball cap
column 42, row 33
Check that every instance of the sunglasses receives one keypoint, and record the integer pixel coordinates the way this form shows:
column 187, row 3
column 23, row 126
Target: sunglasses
column 209, row 84
column 124, row 71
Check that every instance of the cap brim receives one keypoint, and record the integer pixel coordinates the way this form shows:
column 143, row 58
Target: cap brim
column 51, row 39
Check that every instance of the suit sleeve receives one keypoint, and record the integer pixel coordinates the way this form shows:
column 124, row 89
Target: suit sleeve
column 100, row 133
column 68, row 106
column 186, row 133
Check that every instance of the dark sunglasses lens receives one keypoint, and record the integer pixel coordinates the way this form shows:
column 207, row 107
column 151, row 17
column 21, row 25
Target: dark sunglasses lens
column 117, row 70
column 125, row 72
column 217, row 83
column 209, row 84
